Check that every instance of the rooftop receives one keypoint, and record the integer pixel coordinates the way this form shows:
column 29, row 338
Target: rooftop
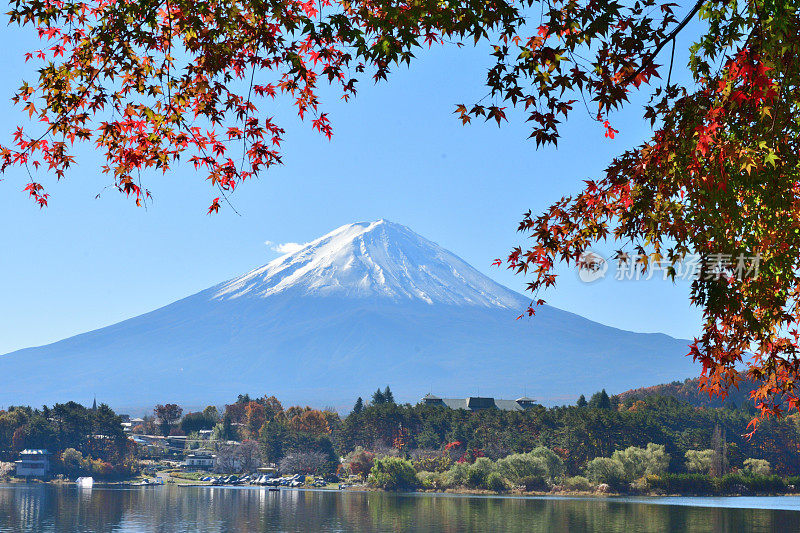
column 475, row 403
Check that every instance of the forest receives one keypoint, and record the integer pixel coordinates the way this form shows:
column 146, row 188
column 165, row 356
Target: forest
column 611, row 439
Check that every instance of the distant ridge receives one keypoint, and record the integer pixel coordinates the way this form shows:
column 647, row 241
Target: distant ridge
column 366, row 305
column 689, row 391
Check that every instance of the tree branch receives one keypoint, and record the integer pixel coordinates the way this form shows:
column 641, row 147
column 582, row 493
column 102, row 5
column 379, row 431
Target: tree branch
column 671, row 37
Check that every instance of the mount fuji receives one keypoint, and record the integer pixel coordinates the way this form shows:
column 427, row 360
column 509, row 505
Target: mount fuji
column 366, row 305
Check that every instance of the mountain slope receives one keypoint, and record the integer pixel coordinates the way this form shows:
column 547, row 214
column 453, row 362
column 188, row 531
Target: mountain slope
column 689, row 391
column 365, row 305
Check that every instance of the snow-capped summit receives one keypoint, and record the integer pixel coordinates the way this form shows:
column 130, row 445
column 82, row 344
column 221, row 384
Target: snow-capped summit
column 368, row 304
column 369, row 259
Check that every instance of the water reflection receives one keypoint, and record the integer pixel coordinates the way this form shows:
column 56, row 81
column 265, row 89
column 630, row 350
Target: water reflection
column 168, row 508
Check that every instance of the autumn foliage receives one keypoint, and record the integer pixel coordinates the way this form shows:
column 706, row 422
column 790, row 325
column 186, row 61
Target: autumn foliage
column 718, row 179
column 150, row 83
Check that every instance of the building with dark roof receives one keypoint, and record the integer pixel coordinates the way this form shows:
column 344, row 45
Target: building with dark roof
column 476, row 403
column 33, row 463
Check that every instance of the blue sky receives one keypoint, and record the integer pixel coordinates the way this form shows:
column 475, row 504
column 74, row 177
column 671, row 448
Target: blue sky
column 398, row 152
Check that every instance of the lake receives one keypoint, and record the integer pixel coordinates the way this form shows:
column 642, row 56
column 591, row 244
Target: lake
column 40, row 507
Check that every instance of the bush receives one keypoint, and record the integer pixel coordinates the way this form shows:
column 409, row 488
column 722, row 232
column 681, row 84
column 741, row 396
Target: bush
column 793, row 481
column 732, row 484
column 478, row 472
column 757, row 467
column 533, row 483
column 393, row 473
column 683, row 483
column 534, row 470
column 578, row 483
column 431, row 461
column 526, row 469
column 457, row 475
column 6, row 469
column 700, row 461
column 359, row 461
column 495, row 482
column 554, row 463
column 426, row 480
column 606, row 470
column 433, row 480
column 639, row 462
column 765, row 484
column 738, row 483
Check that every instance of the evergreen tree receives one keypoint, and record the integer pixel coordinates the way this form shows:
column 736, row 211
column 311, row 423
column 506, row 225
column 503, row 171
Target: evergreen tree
column 228, row 431
column 719, row 443
column 600, row 400
column 359, row 406
column 614, row 403
column 582, row 401
column 378, row 397
column 388, row 397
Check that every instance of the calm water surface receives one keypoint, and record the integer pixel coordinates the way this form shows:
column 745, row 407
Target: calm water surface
column 37, row 508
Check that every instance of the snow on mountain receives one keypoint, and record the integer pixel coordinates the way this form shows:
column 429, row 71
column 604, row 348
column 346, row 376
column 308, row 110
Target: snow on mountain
column 378, row 259
column 366, row 305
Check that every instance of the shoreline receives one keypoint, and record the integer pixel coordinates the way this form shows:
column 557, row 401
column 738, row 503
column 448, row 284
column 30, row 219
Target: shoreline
column 178, row 482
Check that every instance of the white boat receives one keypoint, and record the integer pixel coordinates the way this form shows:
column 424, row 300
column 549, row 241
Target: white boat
column 85, row 482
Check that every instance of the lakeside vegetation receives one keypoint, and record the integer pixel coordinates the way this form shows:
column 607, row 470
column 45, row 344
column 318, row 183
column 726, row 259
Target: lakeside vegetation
column 83, row 441
column 647, row 444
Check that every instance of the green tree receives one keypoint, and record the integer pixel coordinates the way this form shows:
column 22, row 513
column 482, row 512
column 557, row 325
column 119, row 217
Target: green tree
column 359, row 406
column 194, row 422
column 600, row 400
column 700, row 461
column 167, row 415
column 273, row 439
column 378, row 398
column 581, row 401
column 388, row 397
column 757, row 467
column 211, row 413
column 72, row 460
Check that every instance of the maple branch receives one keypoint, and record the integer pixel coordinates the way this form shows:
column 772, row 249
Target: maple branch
column 671, row 61
column 65, row 114
column 671, row 37
column 205, row 154
column 169, row 61
column 247, row 110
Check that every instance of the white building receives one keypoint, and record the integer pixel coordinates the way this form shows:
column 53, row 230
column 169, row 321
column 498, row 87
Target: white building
column 131, row 423
column 34, row 463
column 200, row 461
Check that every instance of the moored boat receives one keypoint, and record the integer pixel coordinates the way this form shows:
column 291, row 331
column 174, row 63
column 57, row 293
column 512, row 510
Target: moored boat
column 85, row 482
